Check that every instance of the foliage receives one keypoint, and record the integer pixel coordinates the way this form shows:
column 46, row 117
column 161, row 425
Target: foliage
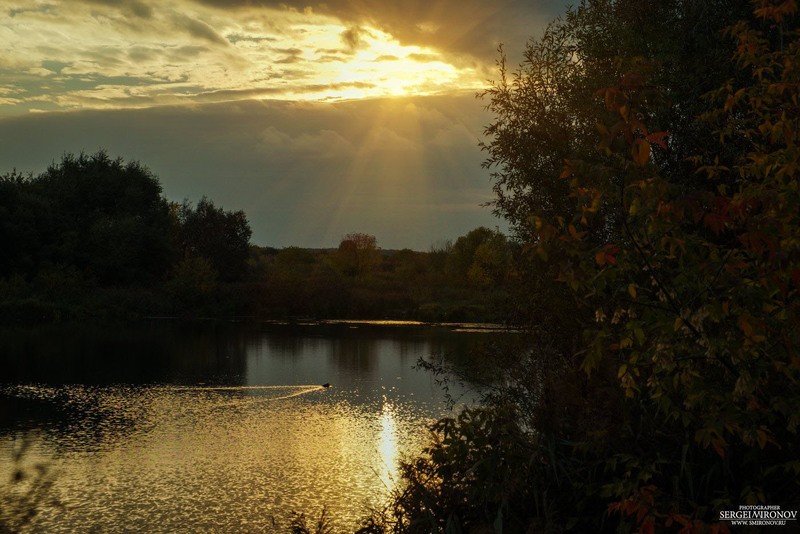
column 482, row 257
column 475, row 475
column 659, row 276
column 358, row 254
column 192, row 283
column 28, row 490
column 402, row 284
column 220, row 237
column 103, row 216
column 323, row 525
column 92, row 236
column 694, row 287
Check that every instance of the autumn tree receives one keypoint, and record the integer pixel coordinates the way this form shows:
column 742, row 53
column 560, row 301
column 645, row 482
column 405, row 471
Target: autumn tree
column 358, row 254
column 673, row 227
column 545, row 113
column 481, row 258
column 647, row 160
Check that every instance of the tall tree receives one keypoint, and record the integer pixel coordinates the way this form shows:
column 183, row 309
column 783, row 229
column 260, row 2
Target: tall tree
column 670, row 223
column 221, row 237
column 358, row 254
column 646, row 157
column 102, row 215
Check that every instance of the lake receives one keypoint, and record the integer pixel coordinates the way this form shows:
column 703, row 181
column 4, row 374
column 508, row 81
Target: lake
column 218, row 427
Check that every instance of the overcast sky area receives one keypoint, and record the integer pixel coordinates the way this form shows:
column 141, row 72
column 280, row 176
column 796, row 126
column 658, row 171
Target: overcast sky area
column 317, row 119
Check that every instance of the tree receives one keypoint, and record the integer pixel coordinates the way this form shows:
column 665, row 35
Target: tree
column 660, row 228
column 104, row 216
column 220, row 237
column 481, row 257
column 22, row 225
column 544, row 113
column 682, row 271
column 358, row 254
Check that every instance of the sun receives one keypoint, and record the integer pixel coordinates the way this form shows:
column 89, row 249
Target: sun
column 380, row 66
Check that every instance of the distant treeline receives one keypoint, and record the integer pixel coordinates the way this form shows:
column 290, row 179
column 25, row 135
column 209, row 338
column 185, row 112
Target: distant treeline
column 93, row 236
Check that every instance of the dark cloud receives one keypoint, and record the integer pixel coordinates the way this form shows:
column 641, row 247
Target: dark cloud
column 290, row 55
column 422, row 58
column 143, row 53
column 134, row 7
column 352, row 38
column 199, row 29
column 235, row 38
column 44, row 8
column 55, row 66
column 472, row 27
column 104, row 56
column 328, row 58
column 406, row 170
column 264, row 92
column 184, row 53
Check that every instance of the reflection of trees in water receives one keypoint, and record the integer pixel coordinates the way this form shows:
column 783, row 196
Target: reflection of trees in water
column 355, row 353
column 357, row 347
column 284, row 345
column 350, row 349
column 147, row 353
column 209, row 352
column 74, row 364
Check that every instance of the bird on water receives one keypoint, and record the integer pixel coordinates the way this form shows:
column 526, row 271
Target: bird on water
column 326, row 385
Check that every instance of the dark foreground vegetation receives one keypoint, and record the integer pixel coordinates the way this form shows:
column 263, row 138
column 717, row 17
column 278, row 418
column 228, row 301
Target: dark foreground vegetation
column 646, row 156
column 93, row 236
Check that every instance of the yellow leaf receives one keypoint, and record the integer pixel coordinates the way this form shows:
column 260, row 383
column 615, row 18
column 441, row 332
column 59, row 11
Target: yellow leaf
column 640, row 152
column 622, row 370
column 745, row 326
column 600, row 258
column 763, row 438
column 632, row 290
column 639, row 333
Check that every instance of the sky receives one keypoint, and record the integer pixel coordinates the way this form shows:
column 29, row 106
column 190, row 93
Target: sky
column 318, row 119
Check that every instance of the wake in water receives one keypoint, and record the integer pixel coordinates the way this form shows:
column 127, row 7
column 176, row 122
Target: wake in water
column 239, row 388
column 296, row 391
column 80, row 394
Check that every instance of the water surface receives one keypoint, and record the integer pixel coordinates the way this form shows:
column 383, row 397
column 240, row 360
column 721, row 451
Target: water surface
column 218, row 427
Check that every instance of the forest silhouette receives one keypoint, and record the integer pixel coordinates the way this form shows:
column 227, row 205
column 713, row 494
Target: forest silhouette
column 94, row 237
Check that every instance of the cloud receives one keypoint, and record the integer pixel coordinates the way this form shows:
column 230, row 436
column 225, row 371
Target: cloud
column 134, row 7
column 352, row 37
column 261, row 48
column 472, row 27
column 199, row 29
column 321, row 146
column 290, row 55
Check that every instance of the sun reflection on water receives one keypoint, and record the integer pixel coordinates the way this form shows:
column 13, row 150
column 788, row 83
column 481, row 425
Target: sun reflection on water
column 164, row 456
column 388, row 444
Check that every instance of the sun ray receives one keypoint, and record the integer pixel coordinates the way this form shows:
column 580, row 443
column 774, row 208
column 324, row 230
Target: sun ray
column 388, row 169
